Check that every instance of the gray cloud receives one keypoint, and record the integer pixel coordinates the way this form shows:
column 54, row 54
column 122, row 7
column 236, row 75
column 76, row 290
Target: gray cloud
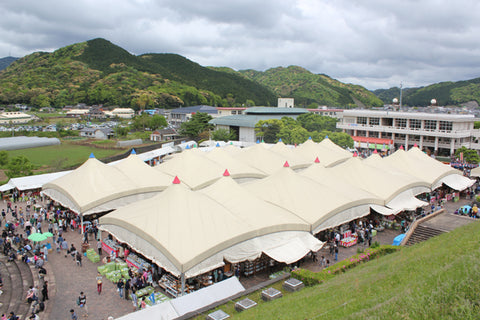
column 373, row 43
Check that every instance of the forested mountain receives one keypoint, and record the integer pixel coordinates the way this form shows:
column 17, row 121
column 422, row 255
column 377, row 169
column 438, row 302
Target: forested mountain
column 311, row 90
column 5, row 62
column 446, row 93
column 99, row 72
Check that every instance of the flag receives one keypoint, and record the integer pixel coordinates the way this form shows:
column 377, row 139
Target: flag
column 152, row 298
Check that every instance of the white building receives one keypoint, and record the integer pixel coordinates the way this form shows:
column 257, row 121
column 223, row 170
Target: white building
column 285, row 103
column 124, row 113
column 440, row 133
column 15, row 117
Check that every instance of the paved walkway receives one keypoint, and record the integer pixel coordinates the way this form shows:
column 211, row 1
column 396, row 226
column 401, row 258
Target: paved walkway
column 67, row 279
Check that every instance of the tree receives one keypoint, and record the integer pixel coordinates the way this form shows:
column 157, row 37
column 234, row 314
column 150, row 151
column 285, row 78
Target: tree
column 316, row 122
column 293, row 135
column 196, row 125
column 469, row 155
column 222, row 134
column 342, row 139
column 122, row 131
column 269, row 129
column 3, row 158
column 141, row 122
column 18, row 167
column 157, row 121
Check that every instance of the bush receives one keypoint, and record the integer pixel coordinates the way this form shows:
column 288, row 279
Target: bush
column 310, row 278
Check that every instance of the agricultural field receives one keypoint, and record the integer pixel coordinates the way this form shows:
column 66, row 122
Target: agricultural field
column 65, row 155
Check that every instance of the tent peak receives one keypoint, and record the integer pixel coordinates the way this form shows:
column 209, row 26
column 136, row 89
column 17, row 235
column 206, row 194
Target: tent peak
column 92, row 156
column 133, row 152
column 286, row 165
column 226, row 173
column 375, row 151
column 401, row 148
column 176, row 180
column 217, row 145
column 415, row 145
column 317, row 160
column 355, row 154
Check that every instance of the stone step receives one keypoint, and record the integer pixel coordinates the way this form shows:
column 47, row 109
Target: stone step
column 422, row 233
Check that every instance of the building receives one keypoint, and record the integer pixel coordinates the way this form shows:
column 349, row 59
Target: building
column 163, row 135
column 77, row 113
column 96, row 112
column 97, row 133
column 285, row 103
column 230, row 111
column 124, row 113
column 324, row 111
column 15, row 117
column 244, row 124
column 441, row 134
column 180, row 115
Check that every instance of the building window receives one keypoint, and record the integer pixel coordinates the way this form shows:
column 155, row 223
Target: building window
column 415, row 123
column 401, row 123
column 361, row 120
column 430, row 125
column 446, row 125
column 374, row 121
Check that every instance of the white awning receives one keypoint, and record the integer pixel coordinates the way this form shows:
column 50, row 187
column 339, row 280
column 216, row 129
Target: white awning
column 384, row 210
column 405, row 201
column 457, row 182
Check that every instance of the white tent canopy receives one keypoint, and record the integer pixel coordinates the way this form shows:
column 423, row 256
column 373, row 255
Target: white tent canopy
column 95, row 187
column 326, row 153
column 261, row 158
column 31, row 182
column 187, row 232
column 237, row 168
column 295, row 160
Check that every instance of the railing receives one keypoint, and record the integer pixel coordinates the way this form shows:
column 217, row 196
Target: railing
column 416, row 222
column 405, row 130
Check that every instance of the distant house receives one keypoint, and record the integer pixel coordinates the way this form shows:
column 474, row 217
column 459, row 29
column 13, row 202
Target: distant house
column 180, row 115
column 163, row 135
column 97, row 133
column 76, row 113
column 230, row 111
column 96, row 112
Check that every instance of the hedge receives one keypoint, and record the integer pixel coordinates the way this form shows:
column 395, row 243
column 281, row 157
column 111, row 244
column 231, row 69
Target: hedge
column 310, row 278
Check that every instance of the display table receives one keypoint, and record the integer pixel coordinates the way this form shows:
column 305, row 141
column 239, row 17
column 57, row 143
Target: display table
column 108, row 246
column 135, row 261
column 349, row 239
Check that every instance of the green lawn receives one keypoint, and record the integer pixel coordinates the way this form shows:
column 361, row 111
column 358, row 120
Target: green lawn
column 436, row 279
column 62, row 156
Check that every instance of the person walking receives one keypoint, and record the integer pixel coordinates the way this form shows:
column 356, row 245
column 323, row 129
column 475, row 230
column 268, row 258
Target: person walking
column 120, row 286
column 82, row 303
column 78, row 256
column 99, row 283
column 73, row 315
column 99, row 247
column 336, row 253
column 45, row 291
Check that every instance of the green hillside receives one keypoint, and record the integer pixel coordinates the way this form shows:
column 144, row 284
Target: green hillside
column 436, row 279
column 311, row 89
column 5, row 62
column 446, row 93
column 99, row 72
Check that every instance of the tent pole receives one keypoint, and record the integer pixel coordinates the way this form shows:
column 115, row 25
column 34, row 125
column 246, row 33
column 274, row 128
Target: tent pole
column 81, row 223
column 182, row 279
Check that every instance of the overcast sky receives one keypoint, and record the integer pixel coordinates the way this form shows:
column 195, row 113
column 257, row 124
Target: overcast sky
column 373, row 43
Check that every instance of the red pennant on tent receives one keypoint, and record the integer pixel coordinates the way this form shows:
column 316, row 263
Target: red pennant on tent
column 286, row 165
column 226, row 173
column 401, row 148
column 375, row 151
column 176, row 180
column 415, row 145
column 295, row 145
column 317, row 160
column 355, row 154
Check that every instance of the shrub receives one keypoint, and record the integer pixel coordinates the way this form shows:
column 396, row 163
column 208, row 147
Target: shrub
column 310, row 278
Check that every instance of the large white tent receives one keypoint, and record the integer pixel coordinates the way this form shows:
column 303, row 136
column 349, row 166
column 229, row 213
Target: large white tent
column 189, row 233
column 96, row 187
column 261, row 158
column 237, row 168
column 309, row 200
column 295, row 160
column 31, row 182
column 327, row 154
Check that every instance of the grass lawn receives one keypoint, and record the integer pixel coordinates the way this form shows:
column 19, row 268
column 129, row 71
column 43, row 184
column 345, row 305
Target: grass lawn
column 436, row 279
column 62, row 156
